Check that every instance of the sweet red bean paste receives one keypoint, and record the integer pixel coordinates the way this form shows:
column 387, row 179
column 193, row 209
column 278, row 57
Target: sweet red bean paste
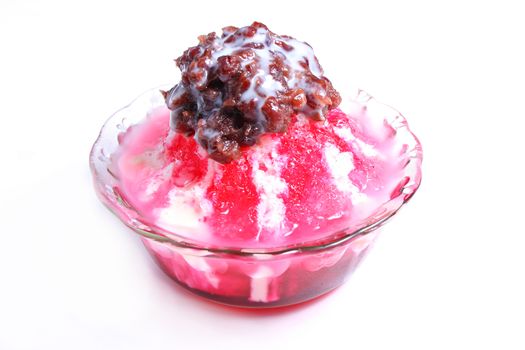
column 247, row 82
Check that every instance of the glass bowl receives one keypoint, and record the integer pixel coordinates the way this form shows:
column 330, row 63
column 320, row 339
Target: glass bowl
column 251, row 277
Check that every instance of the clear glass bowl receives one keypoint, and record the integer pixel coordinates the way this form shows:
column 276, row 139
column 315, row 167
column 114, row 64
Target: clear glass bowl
column 266, row 277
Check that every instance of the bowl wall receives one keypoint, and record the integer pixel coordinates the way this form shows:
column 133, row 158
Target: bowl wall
column 261, row 281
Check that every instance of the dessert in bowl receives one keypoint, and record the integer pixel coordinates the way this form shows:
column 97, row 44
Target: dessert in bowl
column 253, row 182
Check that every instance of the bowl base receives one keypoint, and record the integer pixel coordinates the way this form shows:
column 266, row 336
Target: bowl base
column 233, row 283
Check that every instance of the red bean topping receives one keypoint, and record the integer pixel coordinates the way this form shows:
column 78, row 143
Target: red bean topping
column 245, row 83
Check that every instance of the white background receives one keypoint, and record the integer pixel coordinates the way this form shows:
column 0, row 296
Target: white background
column 447, row 273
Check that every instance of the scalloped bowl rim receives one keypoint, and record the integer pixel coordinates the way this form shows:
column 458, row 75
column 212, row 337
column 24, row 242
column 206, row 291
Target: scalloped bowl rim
column 398, row 122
